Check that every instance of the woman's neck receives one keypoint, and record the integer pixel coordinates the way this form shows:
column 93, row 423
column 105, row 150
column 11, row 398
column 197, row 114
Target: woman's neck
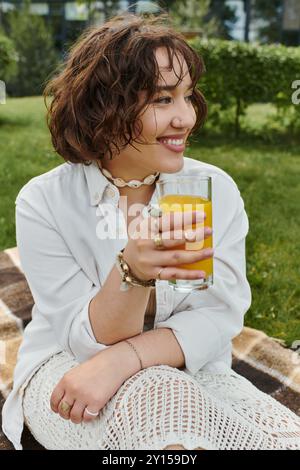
column 140, row 195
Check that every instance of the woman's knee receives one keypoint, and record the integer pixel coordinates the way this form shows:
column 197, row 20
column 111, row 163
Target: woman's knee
column 158, row 384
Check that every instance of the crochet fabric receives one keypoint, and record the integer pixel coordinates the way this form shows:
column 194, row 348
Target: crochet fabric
column 161, row 406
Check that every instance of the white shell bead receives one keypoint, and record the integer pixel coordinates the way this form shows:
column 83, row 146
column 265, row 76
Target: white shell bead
column 149, row 179
column 134, row 184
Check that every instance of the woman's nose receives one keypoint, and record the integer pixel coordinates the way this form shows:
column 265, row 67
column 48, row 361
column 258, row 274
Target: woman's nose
column 185, row 117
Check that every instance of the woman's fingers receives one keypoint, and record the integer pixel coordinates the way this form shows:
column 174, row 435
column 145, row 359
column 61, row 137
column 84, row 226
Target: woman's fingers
column 175, row 273
column 179, row 237
column 178, row 220
column 65, row 406
column 77, row 412
column 177, row 257
column 56, row 397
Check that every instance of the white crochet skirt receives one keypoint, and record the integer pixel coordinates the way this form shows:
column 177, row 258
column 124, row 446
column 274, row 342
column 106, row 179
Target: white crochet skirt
column 161, row 406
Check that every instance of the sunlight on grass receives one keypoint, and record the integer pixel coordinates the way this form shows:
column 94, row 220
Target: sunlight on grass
column 257, row 114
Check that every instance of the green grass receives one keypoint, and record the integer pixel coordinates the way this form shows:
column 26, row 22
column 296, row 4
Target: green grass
column 268, row 177
column 25, row 151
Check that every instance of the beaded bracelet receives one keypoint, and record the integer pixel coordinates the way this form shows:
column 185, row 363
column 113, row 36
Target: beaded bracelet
column 128, row 279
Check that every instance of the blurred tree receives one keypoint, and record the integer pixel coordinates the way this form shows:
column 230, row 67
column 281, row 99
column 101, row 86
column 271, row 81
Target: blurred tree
column 162, row 4
column 225, row 15
column 109, row 8
column 271, row 14
column 216, row 15
column 8, row 56
column 166, row 4
column 192, row 15
column 35, row 49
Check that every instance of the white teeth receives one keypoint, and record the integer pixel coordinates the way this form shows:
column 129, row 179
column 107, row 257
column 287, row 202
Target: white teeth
column 173, row 141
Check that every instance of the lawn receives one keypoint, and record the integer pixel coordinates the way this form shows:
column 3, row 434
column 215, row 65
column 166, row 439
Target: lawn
column 268, row 176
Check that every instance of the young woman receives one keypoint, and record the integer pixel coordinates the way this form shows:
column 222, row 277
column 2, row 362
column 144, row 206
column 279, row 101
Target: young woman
column 105, row 368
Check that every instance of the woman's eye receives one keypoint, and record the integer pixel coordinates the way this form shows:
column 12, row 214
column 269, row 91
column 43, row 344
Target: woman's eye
column 160, row 100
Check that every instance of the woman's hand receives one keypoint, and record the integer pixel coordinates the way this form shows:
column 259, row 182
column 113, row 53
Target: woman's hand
column 146, row 260
column 89, row 385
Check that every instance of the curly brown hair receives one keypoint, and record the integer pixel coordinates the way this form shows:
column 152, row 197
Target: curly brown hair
column 95, row 103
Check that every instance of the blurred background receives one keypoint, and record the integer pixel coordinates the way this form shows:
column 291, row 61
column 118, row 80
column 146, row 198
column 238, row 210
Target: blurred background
column 251, row 49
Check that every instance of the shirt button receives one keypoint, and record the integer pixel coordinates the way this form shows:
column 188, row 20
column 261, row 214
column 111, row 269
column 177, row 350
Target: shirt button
column 96, row 196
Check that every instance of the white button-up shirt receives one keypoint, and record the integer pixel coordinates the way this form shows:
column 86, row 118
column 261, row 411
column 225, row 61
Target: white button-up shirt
column 66, row 263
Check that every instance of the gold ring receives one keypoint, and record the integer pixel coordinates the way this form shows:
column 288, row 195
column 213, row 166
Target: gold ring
column 158, row 241
column 158, row 276
column 65, row 407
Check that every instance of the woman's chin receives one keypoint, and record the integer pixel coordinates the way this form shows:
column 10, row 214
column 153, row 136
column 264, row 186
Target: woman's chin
column 174, row 165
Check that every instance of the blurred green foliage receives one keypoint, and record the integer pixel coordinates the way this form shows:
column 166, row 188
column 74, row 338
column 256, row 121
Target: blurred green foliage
column 8, row 58
column 239, row 74
column 35, row 52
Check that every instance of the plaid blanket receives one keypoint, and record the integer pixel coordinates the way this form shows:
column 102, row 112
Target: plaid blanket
column 264, row 361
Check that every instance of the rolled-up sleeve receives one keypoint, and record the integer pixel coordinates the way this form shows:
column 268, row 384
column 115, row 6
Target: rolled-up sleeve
column 61, row 290
column 205, row 322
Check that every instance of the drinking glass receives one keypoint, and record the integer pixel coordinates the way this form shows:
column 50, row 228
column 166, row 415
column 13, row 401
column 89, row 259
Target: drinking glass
column 185, row 193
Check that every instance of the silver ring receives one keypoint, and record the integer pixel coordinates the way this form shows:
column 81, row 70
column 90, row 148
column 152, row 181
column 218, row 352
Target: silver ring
column 186, row 237
column 155, row 211
column 91, row 412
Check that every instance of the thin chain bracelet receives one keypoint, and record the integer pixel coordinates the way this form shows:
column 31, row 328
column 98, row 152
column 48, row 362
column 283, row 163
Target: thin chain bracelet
column 133, row 347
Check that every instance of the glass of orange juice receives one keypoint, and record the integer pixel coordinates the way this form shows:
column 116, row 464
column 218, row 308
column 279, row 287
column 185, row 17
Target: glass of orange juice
column 185, row 193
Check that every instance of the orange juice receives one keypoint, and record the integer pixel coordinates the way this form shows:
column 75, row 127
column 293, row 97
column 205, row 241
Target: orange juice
column 186, row 203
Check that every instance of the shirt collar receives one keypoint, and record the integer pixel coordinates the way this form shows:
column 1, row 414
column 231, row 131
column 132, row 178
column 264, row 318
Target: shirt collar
column 97, row 182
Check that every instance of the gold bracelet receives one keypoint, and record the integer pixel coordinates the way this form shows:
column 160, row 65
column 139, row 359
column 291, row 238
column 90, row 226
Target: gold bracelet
column 126, row 341
column 128, row 279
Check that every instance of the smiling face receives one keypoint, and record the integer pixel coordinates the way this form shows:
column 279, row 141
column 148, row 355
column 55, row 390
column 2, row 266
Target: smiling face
column 170, row 112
